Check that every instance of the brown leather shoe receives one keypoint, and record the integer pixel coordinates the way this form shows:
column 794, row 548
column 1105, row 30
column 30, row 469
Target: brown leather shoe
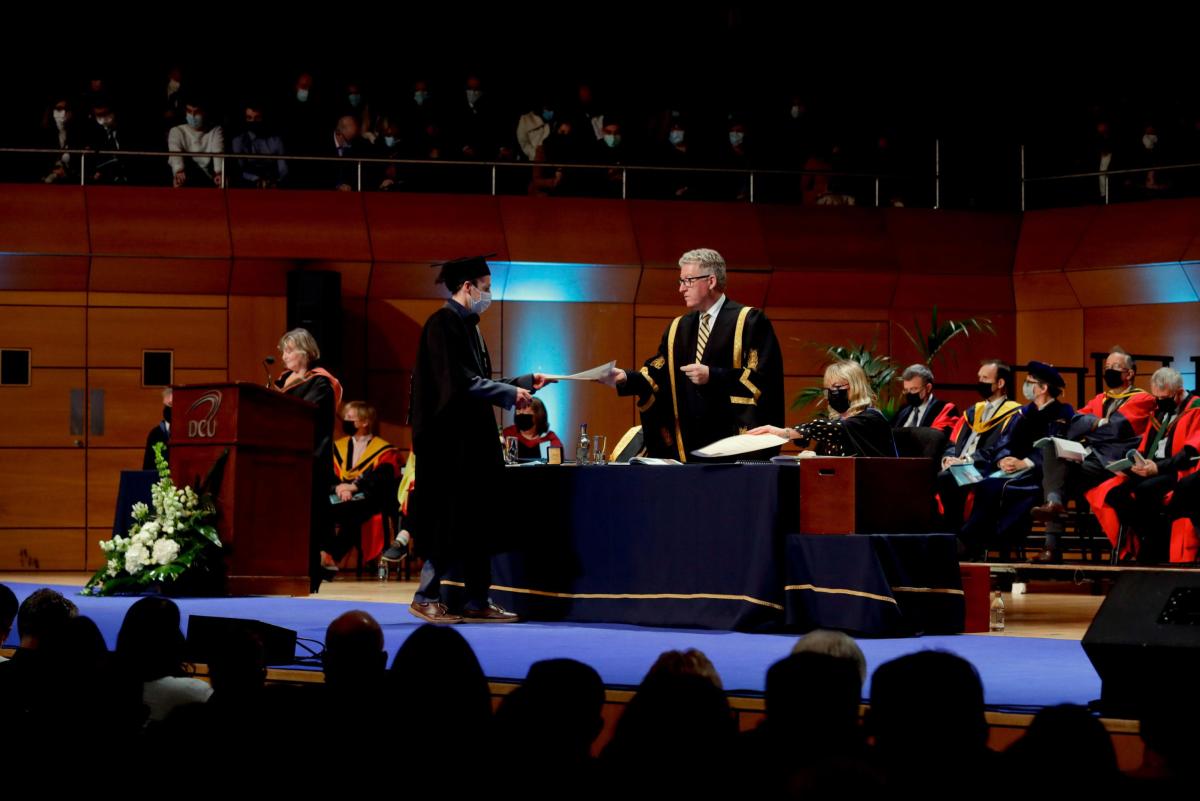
column 434, row 613
column 1046, row 557
column 1048, row 512
column 491, row 614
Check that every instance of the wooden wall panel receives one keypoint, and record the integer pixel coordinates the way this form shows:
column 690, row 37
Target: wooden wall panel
column 42, row 488
column 42, row 549
column 1048, row 238
column 1130, row 286
column 20, row 272
column 953, row 242
column 40, row 415
column 568, row 230
column 1137, row 233
column 94, row 558
column 104, row 466
column 130, row 410
column 825, row 239
column 406, row 280
column 571, row 283
column 431, row 228
column 564, row 338
column 832, row 289
column 56, row 335
column 255, row 324
column 802, row 341
column 665, row 230
column 661, row 287
column 328, row 226
column 982, row 291
column 157, row 221
column 1054, row 337
column 117, row 337
column 176, row 276
column 1170, row 329
column 1049, row 290
column 40, row 219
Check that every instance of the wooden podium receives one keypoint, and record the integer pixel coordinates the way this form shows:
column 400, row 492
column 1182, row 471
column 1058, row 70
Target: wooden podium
column 265, row 491
column 865, row 495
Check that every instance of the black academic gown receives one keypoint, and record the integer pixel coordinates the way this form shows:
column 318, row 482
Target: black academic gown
column 744, row 390
column 931, row 413
column 158, row 434
column 455, row 435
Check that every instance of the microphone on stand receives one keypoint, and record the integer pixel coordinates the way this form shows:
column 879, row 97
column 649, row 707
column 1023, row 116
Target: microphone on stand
column 266, row 363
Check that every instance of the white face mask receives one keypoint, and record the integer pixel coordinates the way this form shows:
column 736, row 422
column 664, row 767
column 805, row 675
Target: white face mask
column 60, row 116
column 390, row 141
column 795, row 112
column 105, row 122
column 1149, row 141
column 1029, row 390
column 420, row 97
column 172, row 87
column 675, row 137
column 481, row 305
column 473, row 96
column 736, row 137
column 302, row 95
column 612, row 140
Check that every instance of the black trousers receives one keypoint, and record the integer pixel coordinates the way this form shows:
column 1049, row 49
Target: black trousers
column 348, row 517
column 1186, row 500
column 954, row 500
column 1138, row 503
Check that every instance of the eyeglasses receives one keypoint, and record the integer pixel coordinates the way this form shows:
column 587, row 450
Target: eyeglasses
column 693, row 279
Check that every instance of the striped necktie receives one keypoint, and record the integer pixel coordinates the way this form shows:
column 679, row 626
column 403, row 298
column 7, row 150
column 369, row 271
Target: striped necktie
column 702, row 339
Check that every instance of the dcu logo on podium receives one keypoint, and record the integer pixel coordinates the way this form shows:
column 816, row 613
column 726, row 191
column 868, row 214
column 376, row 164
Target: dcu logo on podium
column 206, row 426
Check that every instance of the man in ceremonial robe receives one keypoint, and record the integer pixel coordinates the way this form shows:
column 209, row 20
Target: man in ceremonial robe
column 980, row 438
column 1110, row 424
column 922, row 409
column 1136, row 498
column 718, row 371
column 366, row 470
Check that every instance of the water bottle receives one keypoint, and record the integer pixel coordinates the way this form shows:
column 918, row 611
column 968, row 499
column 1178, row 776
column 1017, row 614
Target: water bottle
column 381, row 572
column 997, row 616
column 581, row 453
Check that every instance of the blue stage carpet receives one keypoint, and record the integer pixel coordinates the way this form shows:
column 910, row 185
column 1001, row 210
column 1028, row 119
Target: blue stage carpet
column 1018, row 672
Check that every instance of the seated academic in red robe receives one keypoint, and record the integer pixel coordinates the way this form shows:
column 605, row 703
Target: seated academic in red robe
column 367, row 469
column 1136, row 498
column 531, row 427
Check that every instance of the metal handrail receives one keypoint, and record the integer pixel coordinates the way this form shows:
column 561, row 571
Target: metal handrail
column 84, row 153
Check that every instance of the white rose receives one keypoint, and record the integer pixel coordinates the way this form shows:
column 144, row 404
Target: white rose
column 136, row 558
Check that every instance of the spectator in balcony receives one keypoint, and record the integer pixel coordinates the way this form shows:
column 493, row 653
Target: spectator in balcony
column 173, row 112
column 562, row 147
column 390, row 144
column 304, row 118
column 794, row 134
column 535, row 126
column 1149, row 155
column 678, row 153
column 474, row 124
column 421, row 123
column 353, row 103
column 1102, row 158
column 348, row 144
column 105, row 136
column 96, row 87
column 587, row 118
column 197, row 136
column 735, row 156
column 257, row 139
column 61, row 132
column 612, row 150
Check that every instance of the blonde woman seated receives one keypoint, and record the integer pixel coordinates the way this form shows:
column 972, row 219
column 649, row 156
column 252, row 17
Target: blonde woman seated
column 854, row 426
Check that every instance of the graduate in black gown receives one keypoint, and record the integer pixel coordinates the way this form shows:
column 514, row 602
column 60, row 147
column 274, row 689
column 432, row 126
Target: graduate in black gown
column 306, row 380
column 456, row 438
column 160, row 434
column 718, row 371
column 1001, row 506
column 854, row 427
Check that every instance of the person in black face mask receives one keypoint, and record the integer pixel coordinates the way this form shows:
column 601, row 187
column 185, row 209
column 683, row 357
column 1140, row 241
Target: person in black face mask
column 161, row 433
column 921, row 407
column 1109, row 425
column 981, row 438
column 1135, row 501
column 256, row 139
column 367, row 473
column 854, row 427
column 531, row 427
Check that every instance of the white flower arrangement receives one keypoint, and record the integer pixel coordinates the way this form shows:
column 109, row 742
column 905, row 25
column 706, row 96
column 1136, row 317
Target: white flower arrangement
column 171, row 536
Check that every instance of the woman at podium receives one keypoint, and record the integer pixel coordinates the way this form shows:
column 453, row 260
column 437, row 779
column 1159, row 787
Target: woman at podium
column 854, row 426
column 306, row 380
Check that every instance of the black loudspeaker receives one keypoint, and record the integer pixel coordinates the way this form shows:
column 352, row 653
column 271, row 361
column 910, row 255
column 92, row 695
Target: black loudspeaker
column 1145, row 641
column 315, row 304
column 206, row 634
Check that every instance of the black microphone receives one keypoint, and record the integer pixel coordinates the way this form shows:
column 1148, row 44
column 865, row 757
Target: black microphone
column 266, row 363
